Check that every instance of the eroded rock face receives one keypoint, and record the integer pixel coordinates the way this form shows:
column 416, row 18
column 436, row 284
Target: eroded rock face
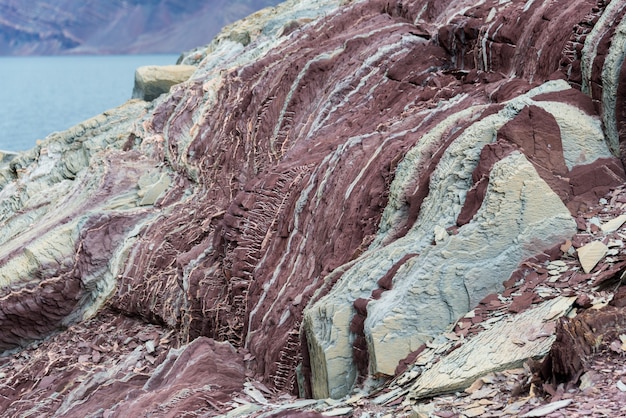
column 70, row 208
column 493, row 230
column 505, row 346
column 331, row 190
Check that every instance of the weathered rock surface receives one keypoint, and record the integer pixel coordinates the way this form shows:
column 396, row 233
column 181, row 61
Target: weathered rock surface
column 338, row 184
column 520, row 213
column 582, row 374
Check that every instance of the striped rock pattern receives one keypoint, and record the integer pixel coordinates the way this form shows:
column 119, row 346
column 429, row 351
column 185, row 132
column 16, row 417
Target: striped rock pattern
column 329, row 193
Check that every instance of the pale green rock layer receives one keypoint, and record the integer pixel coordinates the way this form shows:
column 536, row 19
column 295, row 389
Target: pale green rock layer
column 151, row 81
column 519, row 214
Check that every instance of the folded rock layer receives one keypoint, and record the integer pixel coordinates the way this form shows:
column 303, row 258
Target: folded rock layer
column 330, row 193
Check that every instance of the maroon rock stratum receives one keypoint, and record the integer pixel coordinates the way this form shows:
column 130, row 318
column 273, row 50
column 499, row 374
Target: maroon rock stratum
column 374, row 201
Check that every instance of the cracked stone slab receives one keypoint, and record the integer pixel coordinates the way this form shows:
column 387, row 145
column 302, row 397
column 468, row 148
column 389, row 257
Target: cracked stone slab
column 498, row 348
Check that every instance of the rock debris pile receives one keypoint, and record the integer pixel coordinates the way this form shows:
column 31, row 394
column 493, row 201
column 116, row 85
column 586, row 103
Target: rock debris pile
column 368, row 204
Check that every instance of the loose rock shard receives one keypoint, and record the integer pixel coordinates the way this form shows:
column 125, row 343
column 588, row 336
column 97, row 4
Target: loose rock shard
column 547, row 409
column 590, row 254
column 613, row 224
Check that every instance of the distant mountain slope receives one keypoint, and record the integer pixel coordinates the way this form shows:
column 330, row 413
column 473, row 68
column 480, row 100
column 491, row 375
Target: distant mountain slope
column 47, row 27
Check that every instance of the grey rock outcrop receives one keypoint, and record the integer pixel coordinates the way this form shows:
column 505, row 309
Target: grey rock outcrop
column 152, row 81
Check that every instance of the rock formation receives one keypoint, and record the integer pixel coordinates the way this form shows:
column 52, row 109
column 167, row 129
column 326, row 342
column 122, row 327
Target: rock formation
column 152, row 81
column 337, row 189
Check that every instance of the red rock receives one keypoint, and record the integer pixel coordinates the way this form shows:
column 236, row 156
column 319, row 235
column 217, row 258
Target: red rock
column 610, row 274
column 578, row 340
column 533, row 279
column 402, row 366
column 522, row 302
column 212, row 370
column 583, row 301
column 578, row 278
column 489, row 300
column 619, row 299
column 490, row 154
column 592, row 181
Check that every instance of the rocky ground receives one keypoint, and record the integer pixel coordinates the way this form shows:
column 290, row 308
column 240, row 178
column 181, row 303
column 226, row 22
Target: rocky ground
column 383, row 208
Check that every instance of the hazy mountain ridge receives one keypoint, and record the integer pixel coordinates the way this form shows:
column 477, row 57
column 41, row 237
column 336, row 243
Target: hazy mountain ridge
column 53, row 27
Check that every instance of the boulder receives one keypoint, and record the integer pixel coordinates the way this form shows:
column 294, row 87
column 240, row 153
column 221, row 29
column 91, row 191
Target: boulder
column 151, row 81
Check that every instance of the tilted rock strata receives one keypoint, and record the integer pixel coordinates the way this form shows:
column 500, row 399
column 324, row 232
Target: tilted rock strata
column 114, row 357
column 328, row 321
column 586, row 340
column 71, row 208
column 519, row 215
column 331, row 165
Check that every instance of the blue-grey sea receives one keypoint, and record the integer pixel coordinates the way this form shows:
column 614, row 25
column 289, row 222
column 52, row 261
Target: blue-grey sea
column 40, row 95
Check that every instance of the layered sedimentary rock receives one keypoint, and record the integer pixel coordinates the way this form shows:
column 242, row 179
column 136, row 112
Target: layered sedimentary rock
column 336, row 185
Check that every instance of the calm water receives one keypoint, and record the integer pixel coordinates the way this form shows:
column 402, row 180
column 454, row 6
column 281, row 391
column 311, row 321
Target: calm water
column 40, row 95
